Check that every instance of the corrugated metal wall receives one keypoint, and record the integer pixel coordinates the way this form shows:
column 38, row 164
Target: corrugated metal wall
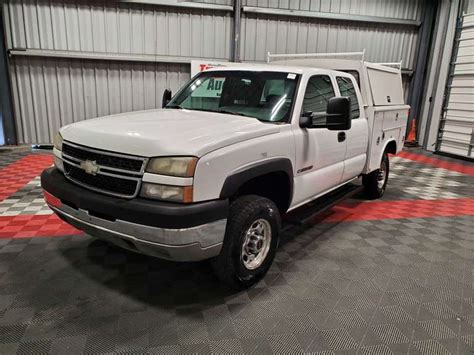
column 456, row 133
column 119, row 28
column 129, row 38
column 403, row 9
column 50, row 93
column 217, row 2
column 293, row 35
column 470, row 7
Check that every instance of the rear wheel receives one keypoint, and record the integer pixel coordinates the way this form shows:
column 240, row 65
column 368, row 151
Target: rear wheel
column 250, row 242
column 375, row 183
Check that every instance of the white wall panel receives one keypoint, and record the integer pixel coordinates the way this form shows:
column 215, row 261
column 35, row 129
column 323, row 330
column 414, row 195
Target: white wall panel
column 402, row 9
column 119, row 28
column 58, row 24
column 470, row 7
column 216, row 2
column 456, row 134
column 390, row 43
column 17, row 25
column 52, row 93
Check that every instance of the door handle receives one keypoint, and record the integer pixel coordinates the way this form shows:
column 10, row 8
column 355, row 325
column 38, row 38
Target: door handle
column 341, row 136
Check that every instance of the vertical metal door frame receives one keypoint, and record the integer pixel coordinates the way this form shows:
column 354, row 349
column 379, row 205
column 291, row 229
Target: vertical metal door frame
column 419, row 80
column 457, row 36
column 445, row 143
column 6, row 100
column 237, row 30
column 438, row 73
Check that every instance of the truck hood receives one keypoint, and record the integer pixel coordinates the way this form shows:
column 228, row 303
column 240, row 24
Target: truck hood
column 166, row 132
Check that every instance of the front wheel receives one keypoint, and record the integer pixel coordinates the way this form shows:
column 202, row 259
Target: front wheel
column 375, row 183
column 250, row 242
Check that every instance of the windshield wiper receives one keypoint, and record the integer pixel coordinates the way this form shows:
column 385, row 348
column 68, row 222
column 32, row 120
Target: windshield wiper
column 232, row 113
column 218, row 111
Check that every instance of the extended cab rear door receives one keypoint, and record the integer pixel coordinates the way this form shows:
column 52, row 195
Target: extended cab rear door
column 358, row 136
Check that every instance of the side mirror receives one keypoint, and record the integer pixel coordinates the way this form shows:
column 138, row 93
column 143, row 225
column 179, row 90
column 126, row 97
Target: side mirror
column 339, row 114
column 166, row 97
column 336, row 118
column 306, row 120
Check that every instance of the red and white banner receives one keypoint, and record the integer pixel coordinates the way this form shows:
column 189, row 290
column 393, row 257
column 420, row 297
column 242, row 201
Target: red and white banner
column 200, row 65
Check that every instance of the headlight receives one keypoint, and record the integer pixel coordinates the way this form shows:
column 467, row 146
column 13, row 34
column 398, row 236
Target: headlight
column 167, row 193
column 58, row 141
column 174, row 166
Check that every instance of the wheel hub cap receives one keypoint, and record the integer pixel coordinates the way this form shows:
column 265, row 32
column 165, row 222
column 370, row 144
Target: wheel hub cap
column 256, row 244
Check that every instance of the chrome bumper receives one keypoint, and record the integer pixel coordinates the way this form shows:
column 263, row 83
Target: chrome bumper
column 186, row 244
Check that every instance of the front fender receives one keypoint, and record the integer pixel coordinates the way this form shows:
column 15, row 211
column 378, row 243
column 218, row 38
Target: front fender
column 265, row 154
column 236, row 180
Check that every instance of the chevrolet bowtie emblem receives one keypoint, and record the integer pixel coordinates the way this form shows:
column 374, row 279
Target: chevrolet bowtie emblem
column 90, row 167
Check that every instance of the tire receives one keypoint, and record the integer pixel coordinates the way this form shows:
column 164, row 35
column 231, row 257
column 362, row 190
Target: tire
column 375, row 183
column 240, row 263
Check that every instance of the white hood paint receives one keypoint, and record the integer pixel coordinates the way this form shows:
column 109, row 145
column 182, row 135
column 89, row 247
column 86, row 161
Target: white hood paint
column 166, row 132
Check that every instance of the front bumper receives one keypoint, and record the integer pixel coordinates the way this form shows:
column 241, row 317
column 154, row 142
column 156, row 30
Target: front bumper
column 165, row 230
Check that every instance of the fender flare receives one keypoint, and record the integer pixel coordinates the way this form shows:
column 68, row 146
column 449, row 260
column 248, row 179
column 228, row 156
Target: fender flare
column 394, row 141
column 391, row 141
column 233, row 182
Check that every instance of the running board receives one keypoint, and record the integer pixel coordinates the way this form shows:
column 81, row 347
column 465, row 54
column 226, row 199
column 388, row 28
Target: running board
column 303, row 214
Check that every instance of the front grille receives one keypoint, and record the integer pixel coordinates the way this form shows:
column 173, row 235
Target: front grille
column 110, row 173
column 109, row 184
column 103, row 158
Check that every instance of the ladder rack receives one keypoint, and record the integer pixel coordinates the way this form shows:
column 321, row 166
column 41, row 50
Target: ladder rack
column 396, row 65
column 341, row 55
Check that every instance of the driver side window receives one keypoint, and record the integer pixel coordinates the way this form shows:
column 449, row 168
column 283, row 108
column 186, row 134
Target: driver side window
column 318, row 92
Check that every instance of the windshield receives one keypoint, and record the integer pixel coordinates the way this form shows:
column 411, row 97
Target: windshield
column 267, row 96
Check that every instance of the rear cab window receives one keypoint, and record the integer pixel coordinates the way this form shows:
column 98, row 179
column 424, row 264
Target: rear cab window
column 354, row 73
column 346, row 87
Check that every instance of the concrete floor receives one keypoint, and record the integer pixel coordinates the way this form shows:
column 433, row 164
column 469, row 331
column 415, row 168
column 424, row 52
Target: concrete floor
column 387, row 276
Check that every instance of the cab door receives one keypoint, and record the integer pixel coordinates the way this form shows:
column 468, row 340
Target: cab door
column 358, row 136
column 319, row 152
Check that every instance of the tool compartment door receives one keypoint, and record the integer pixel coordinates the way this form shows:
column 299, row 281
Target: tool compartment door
column 385, row 85
column 394, row 119
column 389, row 125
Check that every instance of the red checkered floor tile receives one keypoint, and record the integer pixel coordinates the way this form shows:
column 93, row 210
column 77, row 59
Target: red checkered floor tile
column 22, row 174
column 375, row 210
column 23, row 218
column 19, row 173
column 467, row 168
column 28, row 226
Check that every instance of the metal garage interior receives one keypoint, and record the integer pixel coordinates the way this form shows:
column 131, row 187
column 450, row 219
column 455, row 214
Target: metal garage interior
column 71, row 61
column 119, row 57
column 365, row 280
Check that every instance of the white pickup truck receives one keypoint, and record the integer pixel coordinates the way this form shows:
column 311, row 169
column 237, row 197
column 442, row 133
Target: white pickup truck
column 211, row 174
